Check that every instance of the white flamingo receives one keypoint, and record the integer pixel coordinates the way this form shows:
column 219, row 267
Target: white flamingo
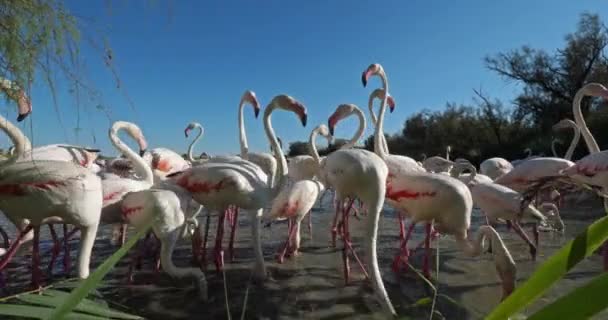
column 495, row 167
column 218, row 185
column 48, row 191
column 115, row 187
column 166, row 207
column 445, row 201
column 295, row 201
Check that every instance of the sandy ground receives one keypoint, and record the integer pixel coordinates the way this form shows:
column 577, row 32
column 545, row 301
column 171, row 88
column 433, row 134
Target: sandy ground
column 311, row 286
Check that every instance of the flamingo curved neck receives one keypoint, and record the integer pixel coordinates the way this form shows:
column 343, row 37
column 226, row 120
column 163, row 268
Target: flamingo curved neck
column 140, row 166
column 351, row 143
column 574, row 142
column 379, row 133
column 19, row 140
column 553, row 142
column 582, row 125
column 312, row 148
column 460, row 167
column 370, row 105
column 194, row 141
column 242, row 133
column 277, row 181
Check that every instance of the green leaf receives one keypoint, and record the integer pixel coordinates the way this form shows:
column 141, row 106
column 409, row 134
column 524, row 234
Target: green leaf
column 582, row 303
column 553, row 269
column 423, row 302
column 33, row 312
column 54, row 298
column 95, row 278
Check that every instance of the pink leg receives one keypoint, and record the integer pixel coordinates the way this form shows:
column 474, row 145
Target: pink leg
column 347, row 244
column 310, row 224
column 196, row 247
column 36, row 275
column 218, row 250
column 401, row 227
column 235, row 222
column 204, row 247
column 123, row 234
column 517, row 228
column 4, row 238
column 426, row 271
column 290, row 232
column 334, row 227
column 13, row 247
column 55, row 250
column 404, row 252
column 66, row 248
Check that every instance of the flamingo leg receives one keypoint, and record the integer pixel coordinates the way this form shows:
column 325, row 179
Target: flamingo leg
column 55, row 249
column 36, row 275
column 517, row 228
column 290, row 232
column 334, row 228
column 345, row 240
column 218, row 250
column 204, row 247
column 66, row 248
column 135, row 257
column 310, row 224
column 5, row 238
column 426, row 271
column 401, row 227
column 196, row 246
column 234, row 224
column 404, row 252
column 144, row 249
column 535, row 234
column 123, row 234
column 13, row 247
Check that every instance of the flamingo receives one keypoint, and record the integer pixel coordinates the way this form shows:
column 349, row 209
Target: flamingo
column 163, row 162
column 567, row 123
column 45, row 192
column 166, row 207
column 379, row 94
column 522, row 176
column 114, row 186
column 265, row 161
column 500, row 202
column 362, row 174
column 448, row 203
column 295, row 201
column 495, row 167
column 472, row 177
column 241, row 183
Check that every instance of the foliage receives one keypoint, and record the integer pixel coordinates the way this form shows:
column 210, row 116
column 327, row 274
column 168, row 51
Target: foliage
column 488, row 128
column 554, row 269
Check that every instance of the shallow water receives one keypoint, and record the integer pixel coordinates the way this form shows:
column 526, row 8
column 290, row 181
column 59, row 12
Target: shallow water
column 311, row 286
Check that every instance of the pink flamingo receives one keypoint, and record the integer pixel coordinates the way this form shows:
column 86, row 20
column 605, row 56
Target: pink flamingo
column 48, row 192
column 240, row 183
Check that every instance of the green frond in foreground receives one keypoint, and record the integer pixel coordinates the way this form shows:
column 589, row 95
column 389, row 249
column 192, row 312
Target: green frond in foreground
column 554, row 269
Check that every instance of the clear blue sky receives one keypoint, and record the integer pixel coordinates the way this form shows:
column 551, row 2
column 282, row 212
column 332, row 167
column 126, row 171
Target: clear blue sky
column 194, row 62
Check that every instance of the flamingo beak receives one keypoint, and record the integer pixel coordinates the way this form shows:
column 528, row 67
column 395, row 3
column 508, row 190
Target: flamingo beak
column 256, row 107
column 364, row 79
column 391, row 104
column 186, row 131
column 24, row 106
column 331, row 123
column 304, row 119
column 142, row 152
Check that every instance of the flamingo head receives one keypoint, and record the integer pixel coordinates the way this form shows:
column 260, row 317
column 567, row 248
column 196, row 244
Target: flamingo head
column 24, row 105
column 190, row 127
column 596, row 90
column 343, row 111
column 324, row 131
column 249, row 96
column 564, row 123
column 286, row 102
column 374, row 69
column 380, row 93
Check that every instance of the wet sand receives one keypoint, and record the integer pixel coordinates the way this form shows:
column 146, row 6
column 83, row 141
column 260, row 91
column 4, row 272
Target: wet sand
column 311, row 286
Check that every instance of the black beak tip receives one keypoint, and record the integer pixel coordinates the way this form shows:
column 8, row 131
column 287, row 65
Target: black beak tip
column 304, row 120
column 142, row 152
column 331, row 131
column 256, row 112
column 391, row 109
column 364, row 80
column 22, row 116
column 93, row 150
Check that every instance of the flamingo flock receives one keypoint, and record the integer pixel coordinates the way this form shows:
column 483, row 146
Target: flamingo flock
column 66, row 184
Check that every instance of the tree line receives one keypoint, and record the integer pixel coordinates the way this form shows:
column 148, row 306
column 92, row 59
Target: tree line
column 489, row 127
